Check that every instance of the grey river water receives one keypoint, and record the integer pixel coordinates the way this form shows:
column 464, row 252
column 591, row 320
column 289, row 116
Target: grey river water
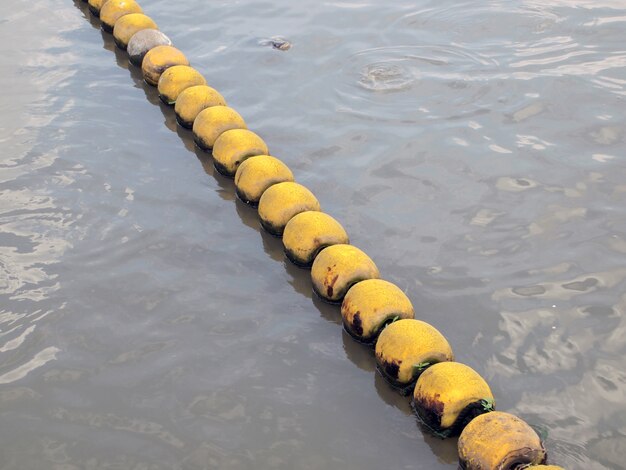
column 474, row 149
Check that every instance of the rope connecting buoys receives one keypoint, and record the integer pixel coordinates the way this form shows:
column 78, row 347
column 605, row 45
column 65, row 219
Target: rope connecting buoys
column 258, row 173
column 142, row 42
column 193, row 100
column 499, row 441
column 307, row 233
column 448, row 395
column 281, row 201
column 211, row 122
column 128, row 25
column 112, row 10
column 406, row 348
column 177, row 79
column 158, row 59
column 233, row 147
column 370, row 305
column 339, row 267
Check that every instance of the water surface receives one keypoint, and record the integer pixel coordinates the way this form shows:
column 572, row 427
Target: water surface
column 475, row 150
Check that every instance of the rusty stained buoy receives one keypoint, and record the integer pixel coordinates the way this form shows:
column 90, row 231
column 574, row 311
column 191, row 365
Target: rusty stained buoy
column 370, row 305
column 448, row 395
column 337, row 268
column 499, row 441
column 406, row 348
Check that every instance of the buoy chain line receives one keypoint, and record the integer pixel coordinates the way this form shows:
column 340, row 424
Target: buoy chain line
column 448, row 397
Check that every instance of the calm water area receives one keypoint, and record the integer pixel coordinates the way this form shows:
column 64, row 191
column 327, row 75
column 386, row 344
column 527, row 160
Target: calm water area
column 476, row 150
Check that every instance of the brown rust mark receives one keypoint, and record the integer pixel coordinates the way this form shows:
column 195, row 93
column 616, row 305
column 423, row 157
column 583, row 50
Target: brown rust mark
column 357, row 324
column 430, row 410
column 330, row 285
column 392, row 368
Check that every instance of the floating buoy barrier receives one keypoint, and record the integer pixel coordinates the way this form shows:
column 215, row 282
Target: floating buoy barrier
column 448, row 395
column 233, row 147
column 339, row 267
column 112, row 10
column 280, row 202
column 258, row 173
column 405, row 348
column 177, row 79
column 158, row 59
column 499, row 441
column 211, row 122
column 128, row 25
column 372, row 304
column 142, row 42
column 307, row 233
column 193, row 100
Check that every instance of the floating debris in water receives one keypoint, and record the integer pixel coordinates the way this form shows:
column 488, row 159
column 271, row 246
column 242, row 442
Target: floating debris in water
column 276, row 42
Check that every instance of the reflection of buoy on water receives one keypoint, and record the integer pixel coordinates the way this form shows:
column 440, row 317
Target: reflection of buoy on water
column 448, row 395
column 372, row 304
column 499, row 441
column 406, row 348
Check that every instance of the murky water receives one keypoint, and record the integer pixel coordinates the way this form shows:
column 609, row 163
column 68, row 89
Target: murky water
column 475, row 150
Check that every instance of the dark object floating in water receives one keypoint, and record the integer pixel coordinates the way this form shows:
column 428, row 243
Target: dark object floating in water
column 276, row 42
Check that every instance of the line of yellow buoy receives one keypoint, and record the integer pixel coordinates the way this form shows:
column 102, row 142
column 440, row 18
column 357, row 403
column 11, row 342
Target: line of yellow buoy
column 449, row 398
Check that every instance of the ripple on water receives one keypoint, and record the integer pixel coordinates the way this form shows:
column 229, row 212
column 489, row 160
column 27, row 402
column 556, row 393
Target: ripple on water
column 406, row 83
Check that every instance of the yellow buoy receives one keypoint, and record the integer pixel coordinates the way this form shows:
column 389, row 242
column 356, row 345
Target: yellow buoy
column 95, row 6
column 113, row 10
column 193, row 100
column 177, row 79
column 405, row 348
column 448, row 395
column 158, row 59
column 128, row 25
column 370, row 305
column 143, row 41
column 498, row 440
column 307, row 233
column 233, row 147
column 281, row 201
column 258, row 173
column 339, row 267
column 211, row 122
